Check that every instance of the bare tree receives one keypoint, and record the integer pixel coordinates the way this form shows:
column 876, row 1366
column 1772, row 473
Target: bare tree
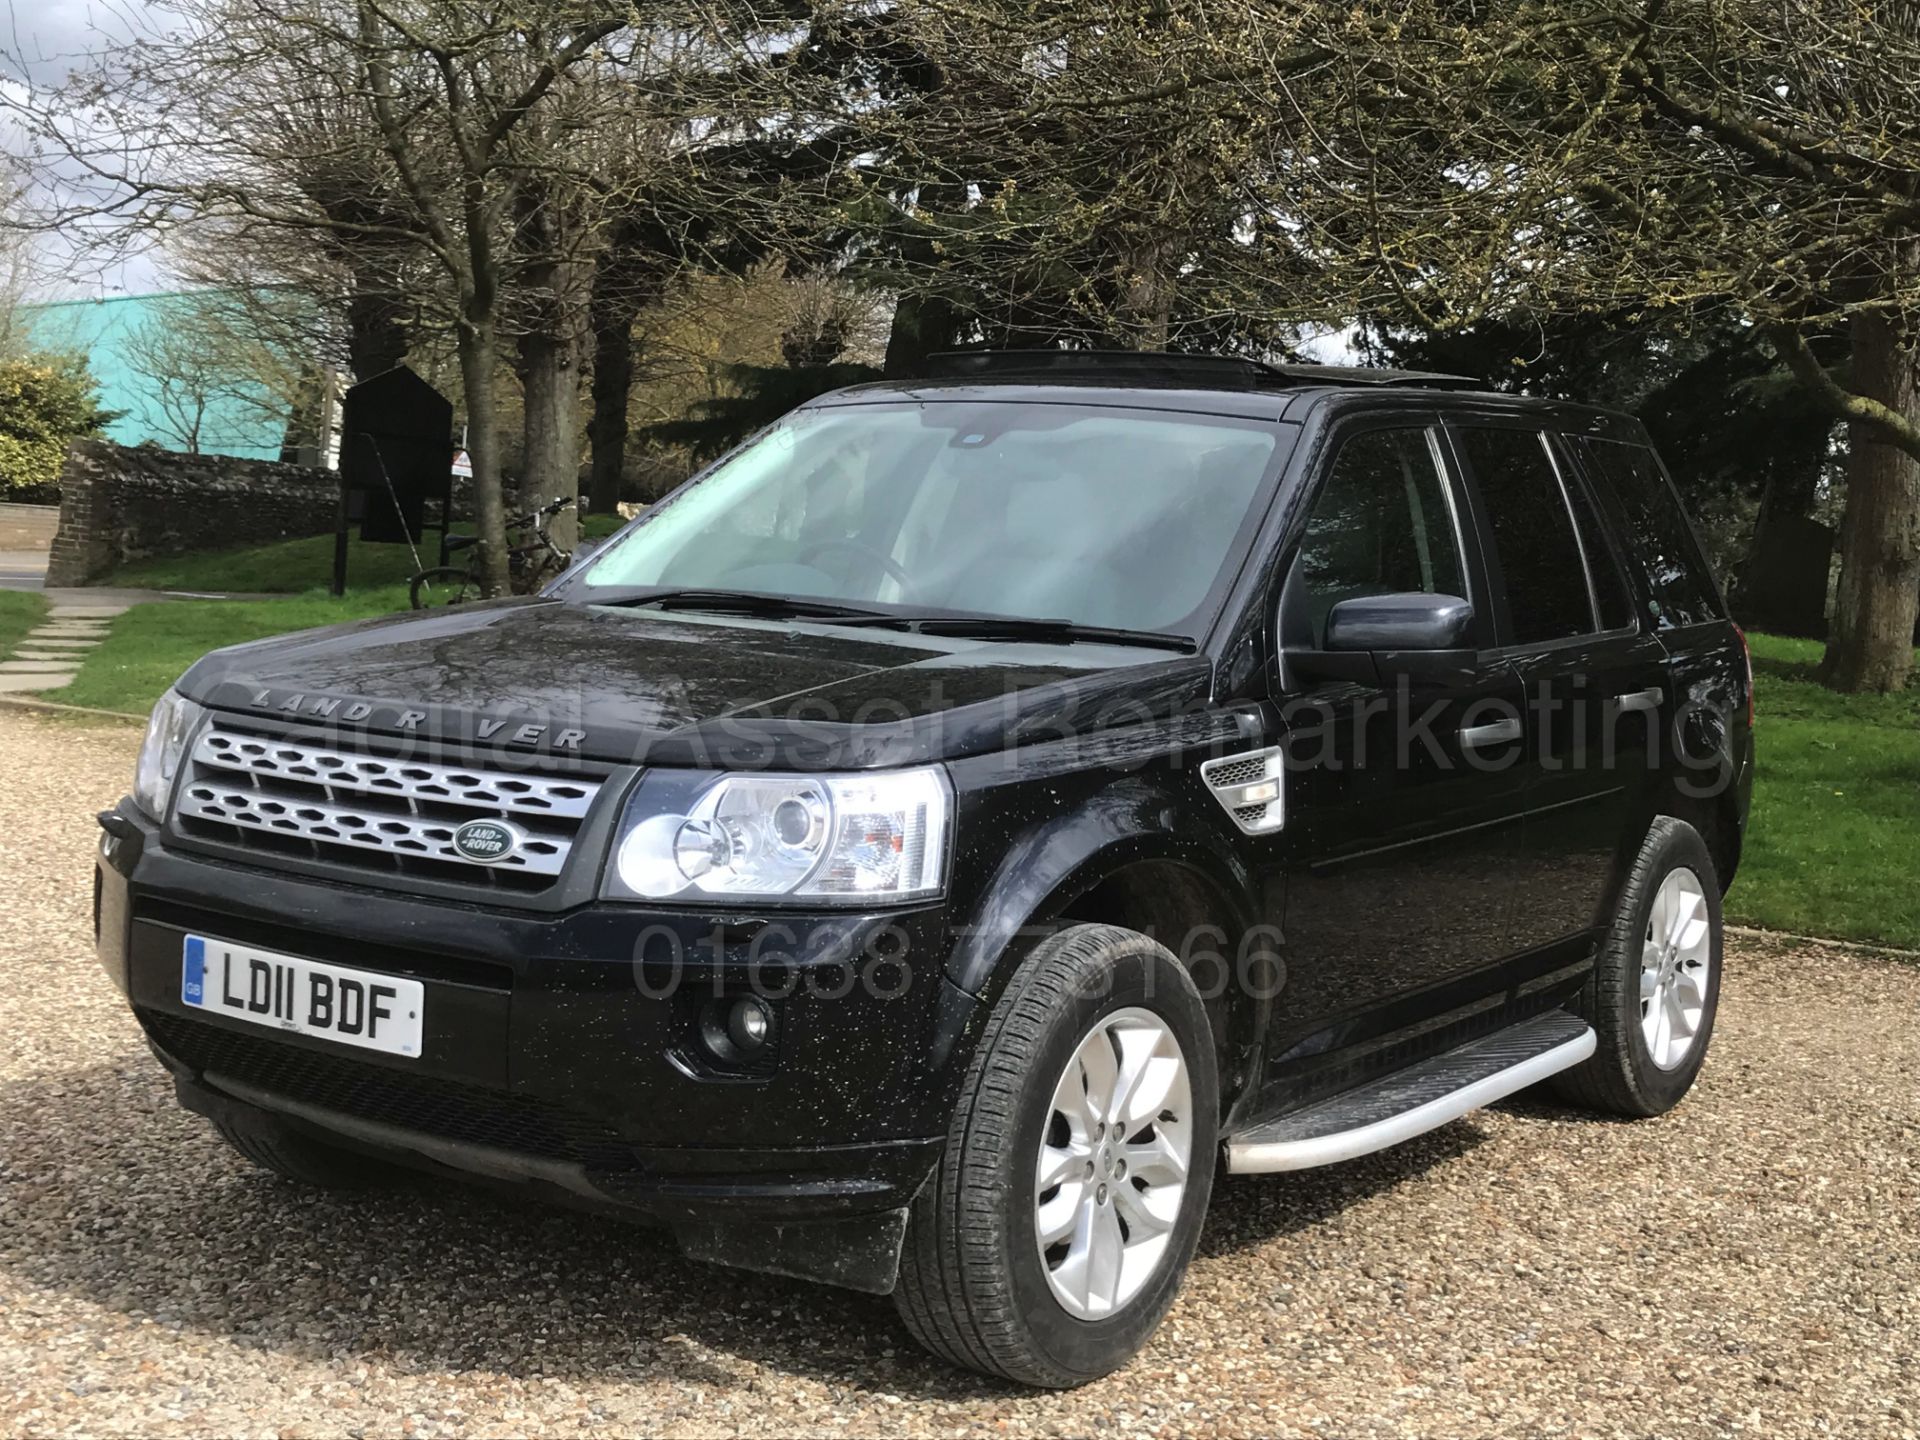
column 214, row 370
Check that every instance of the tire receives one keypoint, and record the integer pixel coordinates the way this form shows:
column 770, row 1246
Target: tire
column 1624, row 1076
column 442, row 585
column 296, row 1157
column 975, row 1287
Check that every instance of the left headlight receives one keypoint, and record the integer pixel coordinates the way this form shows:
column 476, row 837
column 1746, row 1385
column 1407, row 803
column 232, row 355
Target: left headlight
column 839, row 839
column 172, row 722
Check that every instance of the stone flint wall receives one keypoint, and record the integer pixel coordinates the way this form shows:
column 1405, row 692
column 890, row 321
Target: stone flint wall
column 119, row 504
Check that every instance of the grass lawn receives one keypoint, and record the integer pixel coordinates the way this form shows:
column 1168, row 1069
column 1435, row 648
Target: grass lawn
column 20, row 611
column 148, row 647
column 1834, row 846
column 296, row 566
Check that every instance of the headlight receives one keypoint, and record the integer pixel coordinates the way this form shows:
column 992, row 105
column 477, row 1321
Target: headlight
column 693, row 835
column 173, row 721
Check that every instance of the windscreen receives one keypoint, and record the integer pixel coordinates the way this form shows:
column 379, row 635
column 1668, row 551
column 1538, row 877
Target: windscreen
column 1105, row 517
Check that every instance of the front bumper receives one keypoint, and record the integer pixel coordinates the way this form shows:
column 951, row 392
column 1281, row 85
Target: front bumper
column 562, row 1052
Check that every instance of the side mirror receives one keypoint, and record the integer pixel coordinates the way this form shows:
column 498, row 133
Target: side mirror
column 1381, row 639
column 1399, row 622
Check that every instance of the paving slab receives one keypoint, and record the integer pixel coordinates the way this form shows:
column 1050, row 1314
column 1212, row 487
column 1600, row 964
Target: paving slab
column 18, row 684
column 86, row 612
column 95, row 632
column 33, row 667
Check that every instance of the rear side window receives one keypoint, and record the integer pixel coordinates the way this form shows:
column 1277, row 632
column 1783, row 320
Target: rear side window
column 1679, row 585
column 1533, row 535
column 1603, row 566
column 1382, row 525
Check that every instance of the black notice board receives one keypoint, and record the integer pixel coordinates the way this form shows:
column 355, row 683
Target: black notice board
column 396, row 453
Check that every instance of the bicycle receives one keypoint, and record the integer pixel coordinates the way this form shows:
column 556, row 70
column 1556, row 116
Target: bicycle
column 530, row 564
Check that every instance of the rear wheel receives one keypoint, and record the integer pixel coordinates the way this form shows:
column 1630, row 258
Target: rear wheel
column 1656, row 984
column 442, row 585
column 1057, row 1229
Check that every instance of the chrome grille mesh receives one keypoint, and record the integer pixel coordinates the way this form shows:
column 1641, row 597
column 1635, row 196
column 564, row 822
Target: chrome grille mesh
column 377, row 775
column 362, row 826
column 380, row 812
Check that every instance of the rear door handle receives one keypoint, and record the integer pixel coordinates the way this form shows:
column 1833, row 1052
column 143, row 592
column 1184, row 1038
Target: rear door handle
column 1638, row 700
column 1478, row 735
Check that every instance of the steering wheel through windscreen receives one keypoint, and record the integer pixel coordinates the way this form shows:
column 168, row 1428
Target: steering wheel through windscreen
column 892, row 568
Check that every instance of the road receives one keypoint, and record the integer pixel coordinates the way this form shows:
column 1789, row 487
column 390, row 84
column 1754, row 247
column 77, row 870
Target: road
column 1746, row 1264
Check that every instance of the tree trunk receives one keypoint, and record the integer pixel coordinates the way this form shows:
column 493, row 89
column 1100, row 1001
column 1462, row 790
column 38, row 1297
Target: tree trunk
column 552, row 447
column 1870, row 646
column 922, row 325
column 376, row 333
column 474, row 340
column 1146, row 293
column 611, row 319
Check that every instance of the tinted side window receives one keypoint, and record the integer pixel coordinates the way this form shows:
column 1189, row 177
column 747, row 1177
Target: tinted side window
column 1382, row 525
column 1603, row 565
column 1678, row 582
column 1532, row 534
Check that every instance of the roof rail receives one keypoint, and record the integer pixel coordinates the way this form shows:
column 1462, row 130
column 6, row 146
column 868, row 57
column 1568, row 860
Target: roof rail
column 1210, row 372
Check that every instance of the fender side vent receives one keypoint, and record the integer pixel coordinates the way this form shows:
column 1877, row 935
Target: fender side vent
column 1252, row 786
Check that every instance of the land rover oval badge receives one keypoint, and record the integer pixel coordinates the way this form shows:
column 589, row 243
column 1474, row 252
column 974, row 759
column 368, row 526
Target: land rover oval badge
column 485, row 841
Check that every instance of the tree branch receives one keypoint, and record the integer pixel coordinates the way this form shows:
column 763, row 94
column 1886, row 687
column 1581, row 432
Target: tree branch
column 1893, row 427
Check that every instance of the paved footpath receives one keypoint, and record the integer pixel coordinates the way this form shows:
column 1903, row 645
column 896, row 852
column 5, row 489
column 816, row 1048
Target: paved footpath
column 50, row 655
column 76, row 621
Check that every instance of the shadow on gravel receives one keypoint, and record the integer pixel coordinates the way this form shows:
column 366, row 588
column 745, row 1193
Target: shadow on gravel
column 1251, row 1210
column 113, row 1194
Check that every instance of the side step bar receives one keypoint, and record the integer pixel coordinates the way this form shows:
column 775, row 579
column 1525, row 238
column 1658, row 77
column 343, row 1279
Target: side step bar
column 1413, row 1101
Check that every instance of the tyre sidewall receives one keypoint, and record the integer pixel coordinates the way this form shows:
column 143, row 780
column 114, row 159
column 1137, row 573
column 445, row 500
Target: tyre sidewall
column 1139, row 974
column 1675, row 846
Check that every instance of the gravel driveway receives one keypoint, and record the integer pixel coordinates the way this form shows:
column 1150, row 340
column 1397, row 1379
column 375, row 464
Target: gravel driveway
column 1747, row 1263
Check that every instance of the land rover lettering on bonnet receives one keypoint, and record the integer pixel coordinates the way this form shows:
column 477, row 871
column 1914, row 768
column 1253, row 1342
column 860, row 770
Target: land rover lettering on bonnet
column 933, row 845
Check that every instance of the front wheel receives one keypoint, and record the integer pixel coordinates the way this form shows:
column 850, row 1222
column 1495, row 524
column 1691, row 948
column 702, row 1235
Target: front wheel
column 442, row 585
column 1056, row 1231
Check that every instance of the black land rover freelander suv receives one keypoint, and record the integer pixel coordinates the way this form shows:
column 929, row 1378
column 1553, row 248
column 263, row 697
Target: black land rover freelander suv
column 928, row 847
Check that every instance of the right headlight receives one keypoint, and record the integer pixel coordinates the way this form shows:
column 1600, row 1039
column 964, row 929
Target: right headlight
column 168, row 729
column 691, row 835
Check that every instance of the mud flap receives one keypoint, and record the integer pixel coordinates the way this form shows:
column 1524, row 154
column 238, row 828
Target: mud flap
column 859, row 1252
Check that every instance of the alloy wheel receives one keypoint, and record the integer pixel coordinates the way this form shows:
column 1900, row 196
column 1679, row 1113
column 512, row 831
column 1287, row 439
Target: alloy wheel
column 1113, row 1162
column 1676, row 964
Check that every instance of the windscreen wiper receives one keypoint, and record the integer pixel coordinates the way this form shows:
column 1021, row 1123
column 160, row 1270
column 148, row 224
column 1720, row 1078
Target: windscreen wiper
column 739, row 602
column 1021, row 627
column 836, row 612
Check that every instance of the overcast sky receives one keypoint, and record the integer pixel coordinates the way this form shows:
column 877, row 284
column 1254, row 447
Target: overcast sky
column 41, row 41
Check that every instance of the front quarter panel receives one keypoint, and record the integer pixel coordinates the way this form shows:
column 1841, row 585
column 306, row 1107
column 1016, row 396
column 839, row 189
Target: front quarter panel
column 1076, row 811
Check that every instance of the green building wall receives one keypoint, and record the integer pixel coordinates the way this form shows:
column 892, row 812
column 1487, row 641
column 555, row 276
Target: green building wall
column 105, row 330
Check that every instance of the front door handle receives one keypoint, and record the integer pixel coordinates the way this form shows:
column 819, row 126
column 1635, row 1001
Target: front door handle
column 1638, row 700
column 1475, row 736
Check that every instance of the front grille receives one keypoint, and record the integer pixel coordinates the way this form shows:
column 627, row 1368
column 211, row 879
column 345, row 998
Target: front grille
column 377, row 812
column 423, row 1104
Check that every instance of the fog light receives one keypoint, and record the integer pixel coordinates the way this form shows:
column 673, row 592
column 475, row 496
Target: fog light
column 749, row 1023
column 736, row 1031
